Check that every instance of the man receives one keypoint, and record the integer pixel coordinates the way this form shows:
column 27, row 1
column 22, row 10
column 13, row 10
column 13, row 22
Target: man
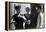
column 18, row 20
column 28, row 17
column 32, row 16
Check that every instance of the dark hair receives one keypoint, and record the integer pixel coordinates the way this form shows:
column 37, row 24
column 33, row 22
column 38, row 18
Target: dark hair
column 17, row 7
column 37, row 5
column 27, row 9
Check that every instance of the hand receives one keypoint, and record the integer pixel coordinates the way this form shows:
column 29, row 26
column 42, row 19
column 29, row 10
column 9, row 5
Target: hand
column 28, row 21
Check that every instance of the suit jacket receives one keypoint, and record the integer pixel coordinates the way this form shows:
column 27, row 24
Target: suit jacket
column 19, row 21
column 33, row 17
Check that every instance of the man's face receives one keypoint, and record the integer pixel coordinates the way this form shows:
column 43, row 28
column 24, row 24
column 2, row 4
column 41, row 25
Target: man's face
column 28, row 10
column 38, row 9
column 17, row 8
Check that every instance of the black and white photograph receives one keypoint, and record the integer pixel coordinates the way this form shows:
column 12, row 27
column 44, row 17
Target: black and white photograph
column 24, row 15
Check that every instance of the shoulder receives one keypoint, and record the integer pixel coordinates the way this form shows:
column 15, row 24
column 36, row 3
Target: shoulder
column 15, row 15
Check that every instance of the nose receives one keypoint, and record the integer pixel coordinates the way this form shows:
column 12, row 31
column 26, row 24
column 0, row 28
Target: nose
column 23, row 11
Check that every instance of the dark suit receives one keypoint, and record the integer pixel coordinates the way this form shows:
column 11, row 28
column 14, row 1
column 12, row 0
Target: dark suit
column 33, row 18
column 19, row 21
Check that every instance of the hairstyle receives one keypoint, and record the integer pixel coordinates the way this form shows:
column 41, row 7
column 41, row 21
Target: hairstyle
column 27, row 9
column 17, row 7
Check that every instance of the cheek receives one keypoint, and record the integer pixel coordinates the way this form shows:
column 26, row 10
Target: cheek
column 22, row 10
